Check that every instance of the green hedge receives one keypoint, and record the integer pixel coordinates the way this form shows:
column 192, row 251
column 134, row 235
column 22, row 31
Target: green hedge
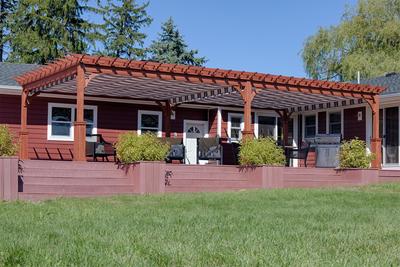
column 7, row 145
column 262, row 151
column 353, row 154
column 147, row 147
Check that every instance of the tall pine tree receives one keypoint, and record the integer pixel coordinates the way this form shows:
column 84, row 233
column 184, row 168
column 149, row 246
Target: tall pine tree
column 6, row 9
column 123, row 20
column 171, row 48
column 44, row 30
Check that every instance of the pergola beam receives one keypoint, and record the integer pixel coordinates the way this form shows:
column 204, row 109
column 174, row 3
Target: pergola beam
column 307, row 89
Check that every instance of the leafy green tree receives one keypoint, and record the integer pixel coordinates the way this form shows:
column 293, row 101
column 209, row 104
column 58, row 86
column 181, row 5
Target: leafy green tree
column 366, row 40
column 123, row 20
column 44, row 30
column 6, row 9
column 171, row 48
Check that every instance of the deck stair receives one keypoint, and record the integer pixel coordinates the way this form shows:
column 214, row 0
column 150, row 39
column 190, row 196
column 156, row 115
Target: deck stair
column 49, row 179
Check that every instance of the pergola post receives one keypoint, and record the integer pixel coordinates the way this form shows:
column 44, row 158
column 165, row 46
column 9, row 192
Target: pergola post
column 166, row 111
column 80, row 124
column 375, row 139
column 248, row 95
column 23, row 134
column 285, row 117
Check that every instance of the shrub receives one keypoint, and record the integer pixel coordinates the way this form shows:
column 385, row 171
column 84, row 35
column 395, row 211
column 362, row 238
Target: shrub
column 353, row 154
column 7, row 145
column 262, row 151
column 147, row 147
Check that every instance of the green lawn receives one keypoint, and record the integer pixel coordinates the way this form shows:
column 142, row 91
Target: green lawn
column 354, row 226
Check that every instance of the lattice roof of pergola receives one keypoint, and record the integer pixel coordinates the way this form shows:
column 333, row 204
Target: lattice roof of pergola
column 122, row 78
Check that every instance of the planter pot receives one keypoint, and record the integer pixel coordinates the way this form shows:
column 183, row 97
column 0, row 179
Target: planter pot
column 366, row 176
column 8, row 178
column 149, row 177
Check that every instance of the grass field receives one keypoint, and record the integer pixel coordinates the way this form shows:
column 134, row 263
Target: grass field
column 353, row 226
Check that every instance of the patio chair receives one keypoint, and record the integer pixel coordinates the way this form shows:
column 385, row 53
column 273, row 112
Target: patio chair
column 209, row 149
column 235, row 152
column 297, row 153
column 99, row 148
column 177, row 150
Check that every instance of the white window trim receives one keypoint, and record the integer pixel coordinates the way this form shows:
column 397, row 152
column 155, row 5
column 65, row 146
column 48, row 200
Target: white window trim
column 266, row 114
column 235, row 115
column 51, row 137
column 341, row 111
column 149, row 112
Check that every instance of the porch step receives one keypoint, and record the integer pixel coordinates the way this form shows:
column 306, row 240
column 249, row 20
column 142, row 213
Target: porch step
column 74, row 173
column 46, row 196
column 65, row 189
column 389, row 175
column 392, row 173
column 32, row 180
column 68, row 165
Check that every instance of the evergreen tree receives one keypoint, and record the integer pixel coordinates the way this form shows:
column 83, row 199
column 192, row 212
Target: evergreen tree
column 123, row 20
column 6, row 9
column 43, row 30
column 366, row 40
column 171, row 48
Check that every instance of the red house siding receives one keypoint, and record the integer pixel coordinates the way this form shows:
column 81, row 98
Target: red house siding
column 213, row 122
column 10, row 112
column 352, row 126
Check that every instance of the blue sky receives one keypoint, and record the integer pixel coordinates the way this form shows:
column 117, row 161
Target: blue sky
column 253, row 35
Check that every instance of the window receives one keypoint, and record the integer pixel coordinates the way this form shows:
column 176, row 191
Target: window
column 310, row 126
column 266, row 126
column 60, row 122
column 150, row 121
column 335, row 123
column 235, row 126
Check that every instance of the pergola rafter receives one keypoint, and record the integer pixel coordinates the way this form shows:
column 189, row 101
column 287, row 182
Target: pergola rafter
column 250, row 86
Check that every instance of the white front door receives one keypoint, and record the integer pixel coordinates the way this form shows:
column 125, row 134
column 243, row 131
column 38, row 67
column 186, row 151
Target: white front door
column 193, row 130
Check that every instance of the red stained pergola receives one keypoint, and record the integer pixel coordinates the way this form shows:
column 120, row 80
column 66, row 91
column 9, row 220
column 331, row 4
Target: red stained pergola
column 216, row 83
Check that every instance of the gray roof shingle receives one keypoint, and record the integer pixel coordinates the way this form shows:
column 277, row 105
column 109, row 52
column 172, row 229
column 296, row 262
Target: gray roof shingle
column 9, row 70
column 391, row 81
